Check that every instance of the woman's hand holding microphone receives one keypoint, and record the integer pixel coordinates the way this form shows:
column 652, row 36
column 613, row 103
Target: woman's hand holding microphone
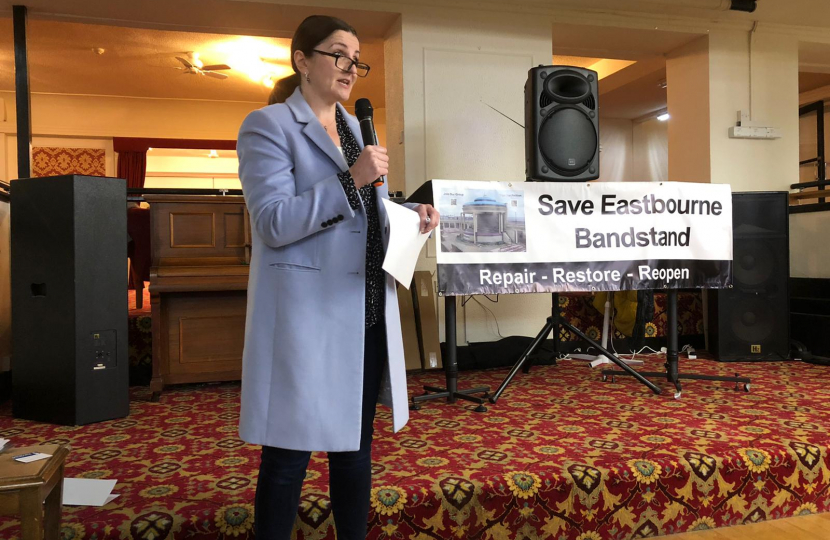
column 373, row 163
column 370, row 165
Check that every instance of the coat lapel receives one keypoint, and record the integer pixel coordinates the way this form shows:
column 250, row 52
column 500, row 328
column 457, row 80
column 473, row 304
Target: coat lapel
column 314, row 129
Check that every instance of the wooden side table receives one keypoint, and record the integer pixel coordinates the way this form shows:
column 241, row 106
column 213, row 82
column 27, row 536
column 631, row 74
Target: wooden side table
column 33, row 490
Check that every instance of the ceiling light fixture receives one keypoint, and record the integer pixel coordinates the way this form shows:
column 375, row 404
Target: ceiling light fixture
column 194, row 59
column 213, row 154
column 663, row 117
column 263, row 62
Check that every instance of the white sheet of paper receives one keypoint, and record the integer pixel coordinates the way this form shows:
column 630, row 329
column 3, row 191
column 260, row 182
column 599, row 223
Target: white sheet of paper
column 405, row 242
column 32, row 456
column 87, row 491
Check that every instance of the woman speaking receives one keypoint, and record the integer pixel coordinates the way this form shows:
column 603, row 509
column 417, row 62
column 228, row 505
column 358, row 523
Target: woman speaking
column 322, row 334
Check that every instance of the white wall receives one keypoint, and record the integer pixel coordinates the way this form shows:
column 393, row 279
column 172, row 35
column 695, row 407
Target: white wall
column 454, row 62
column 633, row 151
column 809, row 255
column 806, row 258
column 166, row 171
column 616, row 142
column 687, row 76
column 651, row 151
column 747, row 164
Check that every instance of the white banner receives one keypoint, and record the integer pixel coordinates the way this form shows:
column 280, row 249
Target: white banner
column 610, row 236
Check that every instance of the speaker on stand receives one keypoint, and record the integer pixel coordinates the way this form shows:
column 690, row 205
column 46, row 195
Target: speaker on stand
column 561, row 124
column 69, row 299
column 750, row 321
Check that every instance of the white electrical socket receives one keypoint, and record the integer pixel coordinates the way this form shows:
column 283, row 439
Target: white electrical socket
column 745, row 132
column 743, row 118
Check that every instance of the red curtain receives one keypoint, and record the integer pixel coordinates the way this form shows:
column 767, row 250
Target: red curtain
column 132, row 166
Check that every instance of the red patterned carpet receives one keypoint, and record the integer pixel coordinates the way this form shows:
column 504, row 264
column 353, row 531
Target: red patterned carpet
column 562, row 455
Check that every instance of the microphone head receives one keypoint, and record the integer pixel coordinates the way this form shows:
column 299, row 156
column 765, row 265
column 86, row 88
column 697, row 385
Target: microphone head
column 363, row 109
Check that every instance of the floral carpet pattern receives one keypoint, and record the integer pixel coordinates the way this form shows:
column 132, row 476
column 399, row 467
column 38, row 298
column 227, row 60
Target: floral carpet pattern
column 562, row 455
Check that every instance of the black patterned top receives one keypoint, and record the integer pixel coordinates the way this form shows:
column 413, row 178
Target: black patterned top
column 375, row 278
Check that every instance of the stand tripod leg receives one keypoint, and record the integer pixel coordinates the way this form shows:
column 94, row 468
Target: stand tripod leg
column 612, row 357
column 539, row 338
column 451, row 369
column 672, row 373
column 672, row 370
column 554, row 317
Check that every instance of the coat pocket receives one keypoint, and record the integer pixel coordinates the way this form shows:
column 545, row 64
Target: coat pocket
column 301, row 255
column 295, row 267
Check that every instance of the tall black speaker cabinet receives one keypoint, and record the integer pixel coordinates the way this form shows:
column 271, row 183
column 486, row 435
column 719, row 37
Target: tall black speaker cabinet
column 69, row 299
column 561, row 124
column 750, row 321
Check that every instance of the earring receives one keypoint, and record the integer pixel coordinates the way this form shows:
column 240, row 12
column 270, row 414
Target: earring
column 306, row 77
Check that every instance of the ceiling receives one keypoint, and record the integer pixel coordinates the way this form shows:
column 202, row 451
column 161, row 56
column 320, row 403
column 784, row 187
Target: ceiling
column 141, row 41
column 616, row 43
column 208, row 16
column 632, row 91
column 812, row 81
column 140, row 62
column 253, row 17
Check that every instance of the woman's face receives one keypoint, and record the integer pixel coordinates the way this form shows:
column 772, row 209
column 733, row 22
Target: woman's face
column 327, row 80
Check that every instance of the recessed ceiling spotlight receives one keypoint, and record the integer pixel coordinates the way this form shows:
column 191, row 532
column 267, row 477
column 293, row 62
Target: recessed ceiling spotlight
column 663, row 117
column 98, row 50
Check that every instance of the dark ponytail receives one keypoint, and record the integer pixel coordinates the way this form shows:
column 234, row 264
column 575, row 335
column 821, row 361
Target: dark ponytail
column 311, row 32
column 284, row 88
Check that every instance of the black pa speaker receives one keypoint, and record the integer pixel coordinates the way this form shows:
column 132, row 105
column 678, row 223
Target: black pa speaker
column 69, row 299
column 750, row 321
column 561, row 124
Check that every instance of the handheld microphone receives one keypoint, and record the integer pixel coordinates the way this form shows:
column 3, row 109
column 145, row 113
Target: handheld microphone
column 364, row 112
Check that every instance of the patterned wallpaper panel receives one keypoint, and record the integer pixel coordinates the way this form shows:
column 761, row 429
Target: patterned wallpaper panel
column 53, row 161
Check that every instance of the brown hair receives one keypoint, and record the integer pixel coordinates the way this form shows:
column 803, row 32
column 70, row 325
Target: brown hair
column 311, row 32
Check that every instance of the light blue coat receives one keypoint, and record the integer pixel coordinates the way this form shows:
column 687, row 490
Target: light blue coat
column 302, row 367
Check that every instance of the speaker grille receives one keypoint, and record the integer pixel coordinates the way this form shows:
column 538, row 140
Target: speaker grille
column 753, row 320
column 545, row 100
column 568, row 140
column 591, row 103
column 567, row 86
column 755, row 262
column 562, row 128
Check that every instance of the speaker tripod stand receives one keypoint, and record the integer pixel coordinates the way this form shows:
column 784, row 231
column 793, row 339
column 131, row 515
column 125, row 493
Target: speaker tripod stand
column 672, row 373
column 451, row 392
column 552, row 325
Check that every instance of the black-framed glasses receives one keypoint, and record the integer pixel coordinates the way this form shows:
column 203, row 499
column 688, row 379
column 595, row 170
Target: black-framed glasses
column 344, row 63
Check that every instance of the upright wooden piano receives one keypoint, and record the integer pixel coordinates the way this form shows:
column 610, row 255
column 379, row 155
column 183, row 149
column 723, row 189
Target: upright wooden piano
column 198, row 286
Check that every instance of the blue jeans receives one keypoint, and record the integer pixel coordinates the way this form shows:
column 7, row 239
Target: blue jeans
column 281, row 471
